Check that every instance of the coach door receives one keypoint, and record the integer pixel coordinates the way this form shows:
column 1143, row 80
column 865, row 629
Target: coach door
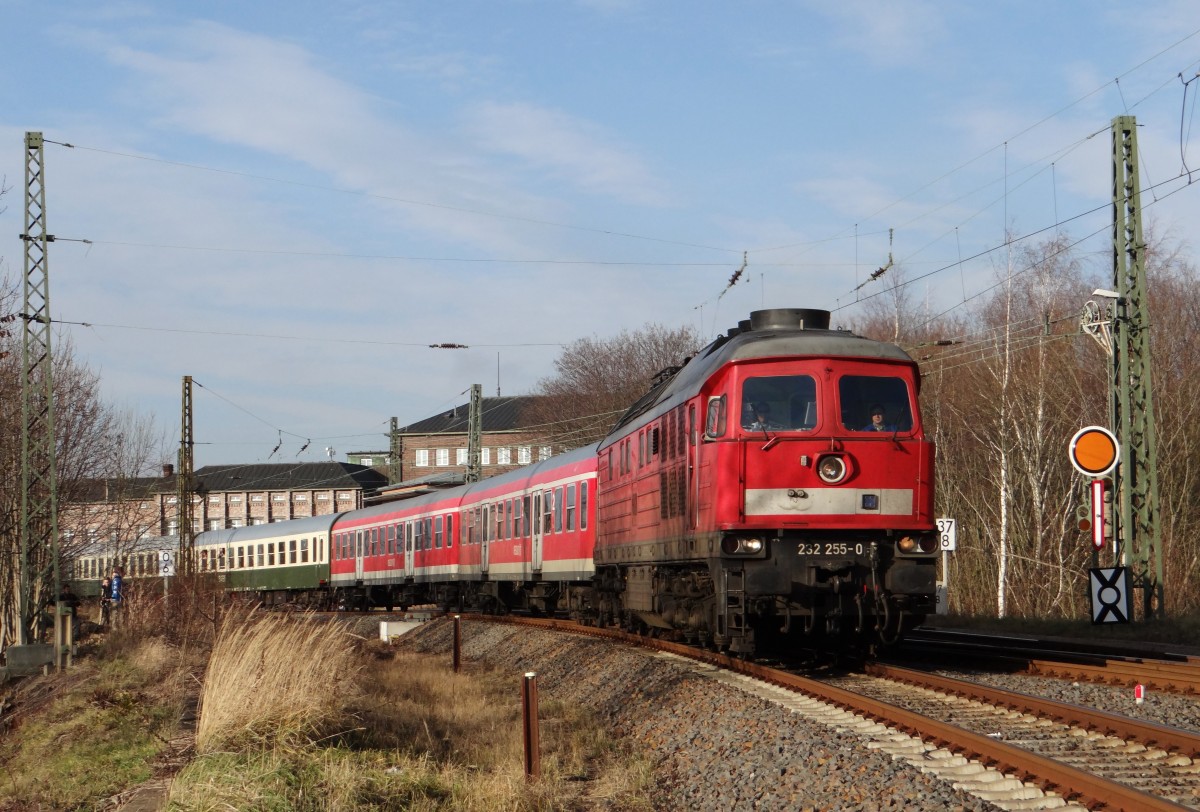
column 535, row 550
column 485, row 538
column 358, row 554
column 406, row 544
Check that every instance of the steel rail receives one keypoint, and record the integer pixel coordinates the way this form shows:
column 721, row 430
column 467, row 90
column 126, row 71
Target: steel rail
column 1071, row 783
column 1110, row 724
column 1173, row 678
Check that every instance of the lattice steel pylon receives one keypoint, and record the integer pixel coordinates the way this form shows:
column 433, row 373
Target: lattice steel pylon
column 1137, row 511
column 184, row 491
column 39, row 485
column 475, row 435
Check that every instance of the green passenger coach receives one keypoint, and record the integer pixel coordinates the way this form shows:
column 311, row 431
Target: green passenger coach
column 263, row 560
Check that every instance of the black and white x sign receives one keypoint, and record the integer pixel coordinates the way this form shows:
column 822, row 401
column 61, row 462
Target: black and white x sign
column 1110, row 595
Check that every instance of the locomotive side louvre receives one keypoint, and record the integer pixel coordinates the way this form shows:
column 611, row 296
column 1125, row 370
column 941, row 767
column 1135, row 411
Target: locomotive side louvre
column 792, row 524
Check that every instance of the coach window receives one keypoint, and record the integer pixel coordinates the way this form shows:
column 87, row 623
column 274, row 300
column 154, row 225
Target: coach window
column 583, row 505
column 437, row 532
column 519, row 517
column 449, row 529
column 262, row 558
column 558, row 509
column 498, row 509
column 714, row 422
column 860, row 395
column 241, row 558
column 271, row 553
column 303, row 551
column 221, row 559
column 391, row 539
column 570, row 507
column 292, row 551
column 509, row 514
column 547, row 511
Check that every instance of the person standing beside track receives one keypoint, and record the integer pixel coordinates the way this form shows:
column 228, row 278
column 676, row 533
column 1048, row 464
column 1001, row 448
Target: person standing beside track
column 116, row 596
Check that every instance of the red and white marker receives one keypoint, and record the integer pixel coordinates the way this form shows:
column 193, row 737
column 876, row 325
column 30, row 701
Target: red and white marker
column 1139, row 693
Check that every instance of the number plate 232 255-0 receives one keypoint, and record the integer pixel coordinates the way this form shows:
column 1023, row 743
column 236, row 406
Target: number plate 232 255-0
column 834, row 548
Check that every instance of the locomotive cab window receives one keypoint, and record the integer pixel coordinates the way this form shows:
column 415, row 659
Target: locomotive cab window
column 714, row 422
column 875, row 403
column 779, row 403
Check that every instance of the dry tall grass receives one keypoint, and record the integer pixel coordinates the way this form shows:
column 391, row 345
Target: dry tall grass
column 275, row 680
column 403, row 734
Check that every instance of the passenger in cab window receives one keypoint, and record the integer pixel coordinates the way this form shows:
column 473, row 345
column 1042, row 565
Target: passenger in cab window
column 878, row 420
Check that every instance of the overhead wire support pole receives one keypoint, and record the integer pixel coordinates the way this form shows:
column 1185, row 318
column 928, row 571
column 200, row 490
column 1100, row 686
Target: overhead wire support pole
column 1137, row 512
column 475, row 435
column 39, row 484
column 185, row 508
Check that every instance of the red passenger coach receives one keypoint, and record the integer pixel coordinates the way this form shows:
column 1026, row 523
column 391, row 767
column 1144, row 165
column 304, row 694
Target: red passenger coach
column 517, row 540
column 752, row 494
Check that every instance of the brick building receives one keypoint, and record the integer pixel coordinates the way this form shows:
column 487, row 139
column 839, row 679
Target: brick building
column 124, row 510
column 431, row 453
column 434, row 450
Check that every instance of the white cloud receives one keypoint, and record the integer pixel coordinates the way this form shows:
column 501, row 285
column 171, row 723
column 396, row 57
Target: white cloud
column 574, row 151
column 886, row 33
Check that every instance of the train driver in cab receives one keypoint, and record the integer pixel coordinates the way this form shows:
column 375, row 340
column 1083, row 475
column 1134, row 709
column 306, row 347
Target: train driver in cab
column 759, row 418
column 878, row 420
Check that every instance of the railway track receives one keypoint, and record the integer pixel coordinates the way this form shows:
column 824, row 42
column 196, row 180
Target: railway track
column 1157, row 667
column 1017, row 752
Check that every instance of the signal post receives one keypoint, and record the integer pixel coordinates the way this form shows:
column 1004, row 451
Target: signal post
column 1094, row 452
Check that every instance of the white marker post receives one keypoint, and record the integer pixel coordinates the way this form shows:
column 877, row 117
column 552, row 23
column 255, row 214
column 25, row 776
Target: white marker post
column 948, row 541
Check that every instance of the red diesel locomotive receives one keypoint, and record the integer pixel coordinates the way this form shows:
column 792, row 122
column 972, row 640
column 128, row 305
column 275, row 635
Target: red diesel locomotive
column 753, row 494
column 779, row 484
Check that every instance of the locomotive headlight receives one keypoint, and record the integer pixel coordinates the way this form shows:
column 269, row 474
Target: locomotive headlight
column 920, row 544
column 733, row 545
column 832, row 469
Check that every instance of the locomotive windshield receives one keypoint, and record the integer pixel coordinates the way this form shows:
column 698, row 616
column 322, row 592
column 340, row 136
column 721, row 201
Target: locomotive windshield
column 873, row 403
column 779, row 403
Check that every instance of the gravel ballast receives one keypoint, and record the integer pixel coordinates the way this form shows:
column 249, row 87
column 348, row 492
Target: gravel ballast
column 715, row 746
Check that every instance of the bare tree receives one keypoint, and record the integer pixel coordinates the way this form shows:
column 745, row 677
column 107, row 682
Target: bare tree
column 596, row 380
column 1174, row 303
column 93, row 441
column 1008, row 394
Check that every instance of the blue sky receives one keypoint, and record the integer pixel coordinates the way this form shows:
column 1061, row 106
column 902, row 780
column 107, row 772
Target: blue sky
column 290, row 201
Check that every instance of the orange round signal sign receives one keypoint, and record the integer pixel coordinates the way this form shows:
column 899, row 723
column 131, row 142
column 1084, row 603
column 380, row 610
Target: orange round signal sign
column 1094, row 451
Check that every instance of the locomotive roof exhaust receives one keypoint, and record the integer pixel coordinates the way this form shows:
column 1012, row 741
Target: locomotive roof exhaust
column 787, row 318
